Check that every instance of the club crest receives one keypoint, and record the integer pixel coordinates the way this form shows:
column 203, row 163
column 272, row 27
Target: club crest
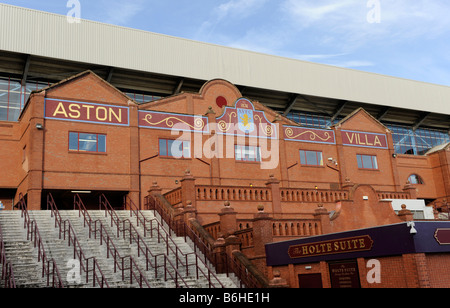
column 245, row 120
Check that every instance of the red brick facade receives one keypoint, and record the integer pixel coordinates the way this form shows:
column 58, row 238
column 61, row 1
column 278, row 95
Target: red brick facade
column 297, row 197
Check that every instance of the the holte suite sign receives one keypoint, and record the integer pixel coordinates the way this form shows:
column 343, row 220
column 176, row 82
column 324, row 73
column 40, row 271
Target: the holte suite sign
column 86, row 112
column 363, row 139
column 346, row 245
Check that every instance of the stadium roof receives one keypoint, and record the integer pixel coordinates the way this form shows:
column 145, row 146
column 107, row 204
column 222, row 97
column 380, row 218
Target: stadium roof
column 38, row 45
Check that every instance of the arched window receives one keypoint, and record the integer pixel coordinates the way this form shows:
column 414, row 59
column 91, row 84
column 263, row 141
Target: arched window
column 415, row 179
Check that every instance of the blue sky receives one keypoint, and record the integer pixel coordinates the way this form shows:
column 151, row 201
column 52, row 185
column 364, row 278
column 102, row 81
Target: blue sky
column 411, row 40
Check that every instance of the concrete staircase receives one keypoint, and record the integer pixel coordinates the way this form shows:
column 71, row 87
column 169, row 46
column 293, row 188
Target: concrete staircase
column 160, row 248
column 28, row 272
column 20, row 252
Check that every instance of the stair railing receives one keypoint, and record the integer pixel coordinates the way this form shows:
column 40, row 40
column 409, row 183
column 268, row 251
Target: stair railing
column 223, row 261
column 120, row 263
column 129, row 232
column 49, row 267
column 65, row 228
column 170, row 243
column 7, row 270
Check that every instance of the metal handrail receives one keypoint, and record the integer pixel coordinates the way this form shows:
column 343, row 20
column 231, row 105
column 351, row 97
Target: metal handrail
column 142, row 246
column 7, row 269
column 119, row 261
column 49, row 267
column 229, row 264
column 141, row 219
column 65, row 227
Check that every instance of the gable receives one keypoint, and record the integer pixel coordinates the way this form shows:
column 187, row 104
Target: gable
column 215, row 97
column 87, row 87
column 361, row 120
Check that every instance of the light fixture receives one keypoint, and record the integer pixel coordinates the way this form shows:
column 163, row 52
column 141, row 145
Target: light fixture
column 81, row 192
column 39, row 126
column 411, row 224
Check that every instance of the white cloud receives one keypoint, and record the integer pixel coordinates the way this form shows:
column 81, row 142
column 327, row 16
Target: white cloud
column 353, row 64
column 338, row 33
column 347, row 19
column 317, row 56
column 121, row 12
column 307, row 12
column 225, row 13
column 238, row 8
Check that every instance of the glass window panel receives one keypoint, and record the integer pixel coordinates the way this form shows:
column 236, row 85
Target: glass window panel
column 238, row 154
column 247, row 153
column 163, row 147
column 3, row 111
column 374, row 162
column 302, row 158
column 250, row 153
column 302, row 119
column 88, row 142
column 320, row 158
column 175, row 148
column 73, row 141
column 359, row 159
column 186, row 149
column 366, row 161
column 169, row 147
column 101, row 143
column 311, row 158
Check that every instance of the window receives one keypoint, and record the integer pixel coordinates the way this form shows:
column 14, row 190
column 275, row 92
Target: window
column 415, row 179
column 83, row 142
column 247, row 153
column 311, row 158
column 416, row 142
column 367, row 162
column 13, row 96
column 174, row 148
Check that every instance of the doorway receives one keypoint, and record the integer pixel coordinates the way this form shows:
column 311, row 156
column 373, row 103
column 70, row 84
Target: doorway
column 310, row 281
column 65, row 199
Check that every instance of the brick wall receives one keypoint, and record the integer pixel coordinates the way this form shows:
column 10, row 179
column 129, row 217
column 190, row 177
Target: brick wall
column 49, row 165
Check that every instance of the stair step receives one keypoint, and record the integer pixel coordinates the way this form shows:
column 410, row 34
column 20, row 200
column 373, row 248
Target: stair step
column 24, row 255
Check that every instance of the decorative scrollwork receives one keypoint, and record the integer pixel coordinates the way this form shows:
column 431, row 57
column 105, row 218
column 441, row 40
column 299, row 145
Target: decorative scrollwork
column 312, row 135
column 267, row 129
column 169, row 121
column 224, row 126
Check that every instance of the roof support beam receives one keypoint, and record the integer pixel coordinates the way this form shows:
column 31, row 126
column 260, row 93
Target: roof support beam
column 338, row 110
column 420, row 121
column 25, row 71
column 110, row 74
column 322, row 111
column 291, row 104
column 178, row 88
column 383, row 113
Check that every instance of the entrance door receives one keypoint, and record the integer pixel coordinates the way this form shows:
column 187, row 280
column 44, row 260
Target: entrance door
column 64, row 199
column 310, row 281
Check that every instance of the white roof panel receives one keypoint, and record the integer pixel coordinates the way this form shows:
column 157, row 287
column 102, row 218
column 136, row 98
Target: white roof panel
column 49, row 35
